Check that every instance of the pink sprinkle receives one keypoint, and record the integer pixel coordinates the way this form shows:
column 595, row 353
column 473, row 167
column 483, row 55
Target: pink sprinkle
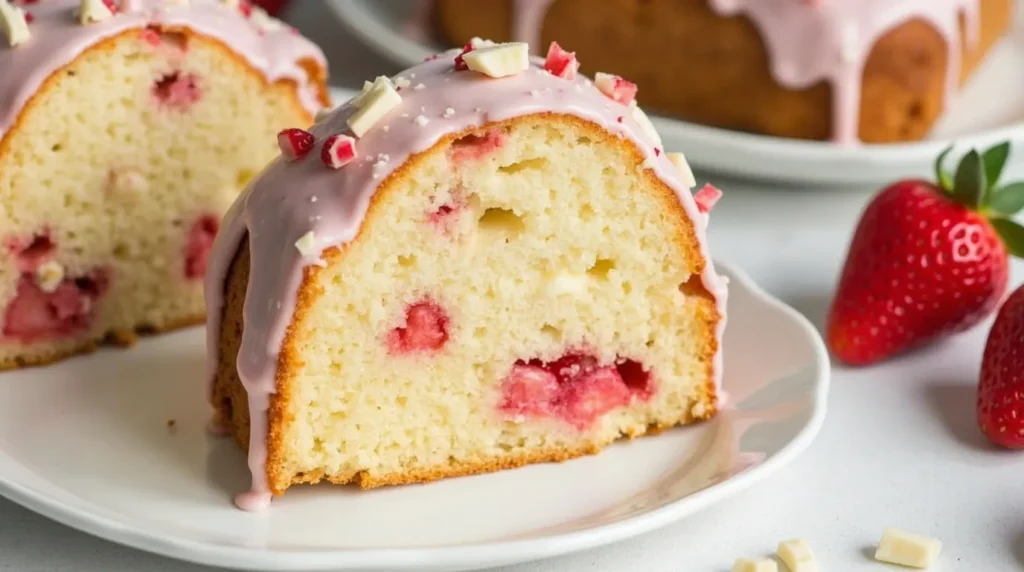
column 339, row 150
column 619, row 119
column 706, row 198
column 561, row 63
column 616, row 88
column 657, row 152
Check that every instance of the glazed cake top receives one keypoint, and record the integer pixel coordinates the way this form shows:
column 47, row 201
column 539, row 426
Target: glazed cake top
column 39, row 37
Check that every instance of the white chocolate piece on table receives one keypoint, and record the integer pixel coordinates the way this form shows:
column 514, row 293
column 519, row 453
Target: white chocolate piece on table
column 14, row 24
column 499, row 60
column 377, row 102
column 683, row 166
column 759, row 565
column 797, row 556
column 907, row 549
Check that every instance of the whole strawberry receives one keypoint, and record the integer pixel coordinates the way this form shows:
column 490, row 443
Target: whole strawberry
column 927, row 260
column 1001, row 387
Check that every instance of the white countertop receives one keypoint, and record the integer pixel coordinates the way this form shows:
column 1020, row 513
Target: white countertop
column 899, row 446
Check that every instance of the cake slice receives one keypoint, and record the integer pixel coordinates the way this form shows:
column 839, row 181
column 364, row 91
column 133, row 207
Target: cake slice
column 126, row 130
column 483, row 262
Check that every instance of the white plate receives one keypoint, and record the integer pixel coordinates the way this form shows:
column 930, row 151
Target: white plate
column 86, row 443
column 990, row 109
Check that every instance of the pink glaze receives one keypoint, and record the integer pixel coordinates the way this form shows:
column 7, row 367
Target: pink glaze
column 292, row 198
column 57, row 38
column 828, row 40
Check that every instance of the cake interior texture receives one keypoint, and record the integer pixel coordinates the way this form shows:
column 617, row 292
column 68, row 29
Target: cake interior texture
column 521, row 293
column 113, row 182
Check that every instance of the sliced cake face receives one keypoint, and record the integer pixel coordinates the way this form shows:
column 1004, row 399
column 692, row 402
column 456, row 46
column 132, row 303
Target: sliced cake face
column 116, row 168
column 526, row 293
column 485, row 261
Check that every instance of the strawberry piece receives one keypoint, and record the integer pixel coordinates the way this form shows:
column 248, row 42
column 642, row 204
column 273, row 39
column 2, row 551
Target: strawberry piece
column 198, row 246
column 273, row 7
column 706, row 198
column 177, row 90
column 570, row 366
column 473, row 147
column 426, row 330
column 636, row 377
column 34, row 315
column 1001, row 385
column 295, row 143
column 592, row 394
column 112, row 6
column 926, row 260
column 460, row 64
column 338, row 151
column 561, row 63
column 245, row 7
column 529, row 390
column 615, row 87
column 31, row 253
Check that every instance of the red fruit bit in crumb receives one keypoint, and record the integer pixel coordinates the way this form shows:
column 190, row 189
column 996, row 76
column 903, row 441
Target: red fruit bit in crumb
column 295, row 143
column 31, row 253
column 471, row 147
column 529, row 390
column 177, row 90
column 198, row 245
column 425, row 330
column 34, row 315
column 585, row 391
column 1000, row 403
column 561, row 63
column 706, row 198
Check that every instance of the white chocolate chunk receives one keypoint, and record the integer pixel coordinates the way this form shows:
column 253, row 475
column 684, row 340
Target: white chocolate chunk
column 685, row 173
column 90, row 11
column 797, row 556
column 759, row 565
column 13, row 23
column 907, row 549
column 49, row 275
column 357, row 100
column 306, row 245
column 499, row 60
column 567, row 284
column 378, row 101
column 478, row 43
column 263, row 21
column 645, row 124
column 322, row 114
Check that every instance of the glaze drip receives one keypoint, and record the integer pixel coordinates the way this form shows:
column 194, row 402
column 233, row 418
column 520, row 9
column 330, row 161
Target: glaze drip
column 292, row 198
column 57, row 38
column 824, row 40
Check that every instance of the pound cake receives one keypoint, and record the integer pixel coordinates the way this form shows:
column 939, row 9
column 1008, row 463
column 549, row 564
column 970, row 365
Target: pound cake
column 483, row 262
column 877, row 71
column 126, row 130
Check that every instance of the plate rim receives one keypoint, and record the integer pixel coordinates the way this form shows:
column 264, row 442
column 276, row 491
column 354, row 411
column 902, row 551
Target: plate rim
column 484, row 554
column 767, row 158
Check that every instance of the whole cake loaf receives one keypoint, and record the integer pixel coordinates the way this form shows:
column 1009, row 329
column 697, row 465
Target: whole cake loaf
column 875, row 71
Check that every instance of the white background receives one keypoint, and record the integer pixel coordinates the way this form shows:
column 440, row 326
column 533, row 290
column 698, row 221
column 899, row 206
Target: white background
column 899, row 446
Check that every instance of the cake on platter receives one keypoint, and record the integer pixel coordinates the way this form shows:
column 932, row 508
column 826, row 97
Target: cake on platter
column 876, row 71
column 127, row 128
column 485, row 261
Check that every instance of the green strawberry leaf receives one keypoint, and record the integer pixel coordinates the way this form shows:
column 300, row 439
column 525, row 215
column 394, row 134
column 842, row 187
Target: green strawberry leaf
column 941, row 176
column 1012, row 235
column 969, row 181
column 995, row 159
column 1008, row 200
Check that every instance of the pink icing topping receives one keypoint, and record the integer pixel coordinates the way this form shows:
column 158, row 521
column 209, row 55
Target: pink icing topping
column 824, row 40
column 292, row 198
column 57, row 38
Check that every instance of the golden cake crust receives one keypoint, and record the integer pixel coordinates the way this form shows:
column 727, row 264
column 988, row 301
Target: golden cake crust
column 229, row 398
column 714, row 70
column 286, row 87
